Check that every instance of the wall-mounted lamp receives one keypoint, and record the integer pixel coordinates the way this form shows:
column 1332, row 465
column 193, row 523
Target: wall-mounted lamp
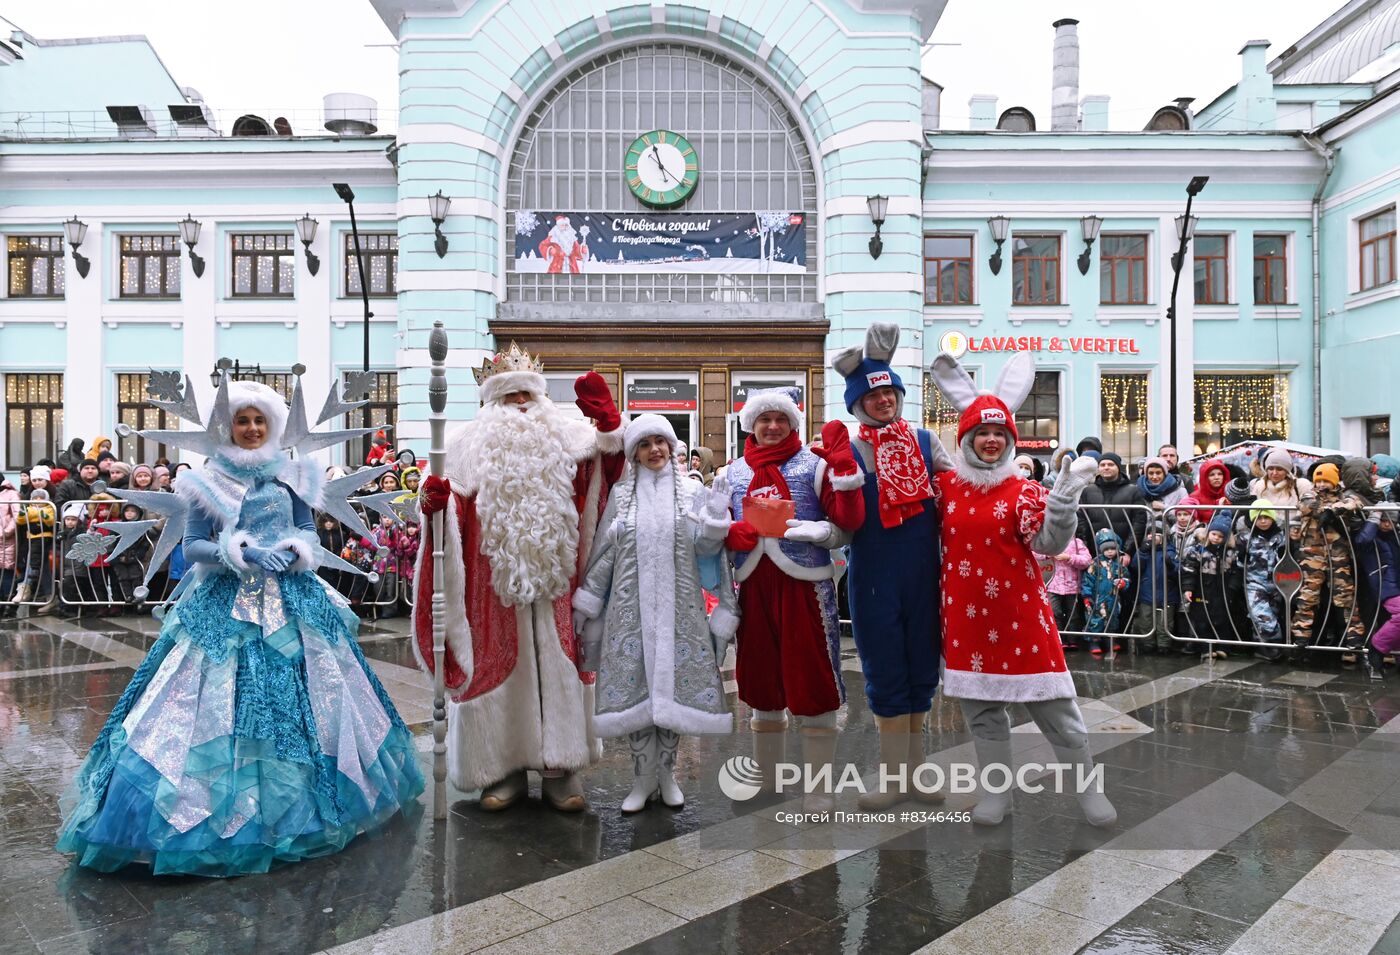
column 878, row 206
column 1000, row 226
column 306, row 231
column 189, row 234
column 1089, row 229
column 76, row 231
column 438, row 207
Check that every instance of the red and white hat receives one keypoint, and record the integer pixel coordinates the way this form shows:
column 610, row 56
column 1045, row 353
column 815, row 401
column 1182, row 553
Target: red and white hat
column 987, row 409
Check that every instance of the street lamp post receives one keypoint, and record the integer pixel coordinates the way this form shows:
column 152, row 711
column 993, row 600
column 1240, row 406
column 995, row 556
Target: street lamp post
column 1185, row 229
column 343, row 191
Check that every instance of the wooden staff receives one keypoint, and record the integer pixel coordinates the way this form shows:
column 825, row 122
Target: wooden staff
column 437, row 464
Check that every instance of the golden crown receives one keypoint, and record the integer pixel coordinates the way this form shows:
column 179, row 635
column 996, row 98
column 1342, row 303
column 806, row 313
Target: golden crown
column 512, row 359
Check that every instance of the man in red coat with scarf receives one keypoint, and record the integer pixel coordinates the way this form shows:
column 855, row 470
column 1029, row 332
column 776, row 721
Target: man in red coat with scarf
column 789, row 651
column 524, row 488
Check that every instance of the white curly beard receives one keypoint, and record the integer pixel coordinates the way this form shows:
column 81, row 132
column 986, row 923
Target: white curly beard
column 520, row 465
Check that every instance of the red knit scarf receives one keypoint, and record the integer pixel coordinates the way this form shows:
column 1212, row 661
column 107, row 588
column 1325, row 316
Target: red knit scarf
column 766, row 463
column 901, row 477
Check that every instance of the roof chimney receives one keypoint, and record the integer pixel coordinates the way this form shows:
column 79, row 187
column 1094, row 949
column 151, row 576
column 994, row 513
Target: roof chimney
column 1255, row 93
column 981, row 111
column 1064, row 95
column 1094, row 114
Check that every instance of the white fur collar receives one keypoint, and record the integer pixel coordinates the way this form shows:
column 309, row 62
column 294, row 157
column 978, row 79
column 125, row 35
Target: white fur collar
column 248, row 457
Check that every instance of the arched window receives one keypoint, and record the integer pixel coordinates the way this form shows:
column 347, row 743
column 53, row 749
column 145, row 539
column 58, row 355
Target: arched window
column 1017, row 119
column 1169, row 118
column 752, row 158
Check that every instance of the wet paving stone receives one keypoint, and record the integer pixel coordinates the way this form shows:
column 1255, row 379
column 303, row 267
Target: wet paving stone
column 895, row 897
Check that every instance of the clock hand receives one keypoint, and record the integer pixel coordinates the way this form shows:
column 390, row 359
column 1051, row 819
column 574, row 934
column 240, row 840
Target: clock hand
column 656, row 155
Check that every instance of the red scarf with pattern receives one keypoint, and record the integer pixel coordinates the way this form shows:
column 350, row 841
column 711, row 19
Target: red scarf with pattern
column 901, row 477
column 767, row 463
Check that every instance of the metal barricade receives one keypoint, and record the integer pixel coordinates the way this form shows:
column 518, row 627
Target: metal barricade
column 389, row 592
column 1116, row 608
column 1312, row 580
column 92, row 576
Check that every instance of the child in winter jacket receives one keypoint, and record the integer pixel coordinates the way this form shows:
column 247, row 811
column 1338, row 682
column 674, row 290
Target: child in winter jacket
column 36, row 521
column 1063, row 588
column 1204, row 570
column 1259, row 550
column 1102, row 589
column 1378, row 548
column 1326, row 519
column 77, row 578
column 1155, row 567
column 388, row 539
column 129, row 567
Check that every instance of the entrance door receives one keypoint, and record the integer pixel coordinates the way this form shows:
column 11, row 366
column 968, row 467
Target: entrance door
column 676, row 397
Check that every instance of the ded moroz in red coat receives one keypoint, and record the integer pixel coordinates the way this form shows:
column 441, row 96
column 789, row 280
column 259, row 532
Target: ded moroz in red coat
column 999, row 636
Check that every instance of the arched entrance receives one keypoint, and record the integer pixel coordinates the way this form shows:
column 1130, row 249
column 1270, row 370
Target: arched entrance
column 704, row 334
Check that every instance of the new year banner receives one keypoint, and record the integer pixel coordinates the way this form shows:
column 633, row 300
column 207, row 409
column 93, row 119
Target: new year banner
column 579, row 242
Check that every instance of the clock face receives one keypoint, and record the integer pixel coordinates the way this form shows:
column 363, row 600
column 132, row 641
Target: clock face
column 661, row 168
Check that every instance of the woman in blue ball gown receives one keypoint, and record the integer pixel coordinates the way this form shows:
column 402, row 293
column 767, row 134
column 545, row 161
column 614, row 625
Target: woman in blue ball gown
column 254, row 733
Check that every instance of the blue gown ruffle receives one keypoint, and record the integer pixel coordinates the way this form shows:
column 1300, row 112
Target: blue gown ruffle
column 232, row 750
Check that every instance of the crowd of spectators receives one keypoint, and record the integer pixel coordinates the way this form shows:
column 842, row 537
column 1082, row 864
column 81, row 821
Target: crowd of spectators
column 55, row 507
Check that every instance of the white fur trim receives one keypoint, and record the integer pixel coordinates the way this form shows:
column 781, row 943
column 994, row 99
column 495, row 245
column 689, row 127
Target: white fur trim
column 231, row 544
column 772, row 399
column 248, row 457
column 724, row 623
column 979, row 475
column 589, row 604
column 847, row 482
column 506, row 382
column 1006, row 687
column 534, row 720
column 308, row 557
column 611, row 442
column 647, row 426
column 768, row 547
column 306, row 478
column 244, row 394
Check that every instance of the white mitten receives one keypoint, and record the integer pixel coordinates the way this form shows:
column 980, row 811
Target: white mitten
column 1075, row 476
column 715, row 516
column 809, row 532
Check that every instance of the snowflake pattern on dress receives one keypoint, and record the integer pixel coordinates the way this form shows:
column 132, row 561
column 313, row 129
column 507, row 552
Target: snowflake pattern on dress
column 977, row 662
column 992, row 589
column 964, row 568
column 999, row 509
column 971, row 612
column 992, row 637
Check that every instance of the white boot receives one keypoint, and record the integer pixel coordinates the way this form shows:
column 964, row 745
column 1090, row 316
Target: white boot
column 992, row 807
column 769, row 749
column 818, row 751
column 894, row 756
column 23, row 594
column 917, row 758
column 1098, row 811
column 644, row 764
column 671, row 795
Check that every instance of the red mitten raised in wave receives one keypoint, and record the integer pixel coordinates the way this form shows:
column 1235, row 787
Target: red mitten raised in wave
column 836, row 448
column 434, row 495
column 596, row 401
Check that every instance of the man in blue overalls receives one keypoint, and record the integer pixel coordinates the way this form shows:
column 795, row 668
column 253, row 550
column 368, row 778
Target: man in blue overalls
column 892, row 581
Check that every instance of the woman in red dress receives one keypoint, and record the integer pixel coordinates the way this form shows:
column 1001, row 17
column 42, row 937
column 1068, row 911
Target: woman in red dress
column 1000, row 642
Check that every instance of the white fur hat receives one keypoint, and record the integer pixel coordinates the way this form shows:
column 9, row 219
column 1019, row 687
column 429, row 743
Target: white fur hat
column 771, row 399
column 503, row 383
column 245, row 394
column 41, row 472
column 646, row 426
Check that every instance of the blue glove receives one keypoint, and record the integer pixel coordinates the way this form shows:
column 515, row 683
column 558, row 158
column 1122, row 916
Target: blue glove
column 272, row 561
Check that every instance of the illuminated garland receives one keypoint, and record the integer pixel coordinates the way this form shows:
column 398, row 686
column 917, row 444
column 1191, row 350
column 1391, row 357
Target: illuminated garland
column 1119, row 394
column 939, row 412
column 1255, row 404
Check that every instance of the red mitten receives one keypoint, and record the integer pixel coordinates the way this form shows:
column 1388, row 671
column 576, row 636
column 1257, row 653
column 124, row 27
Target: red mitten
column 742, row 537
column 836, row 448
column 434, row 494
column 596, row 401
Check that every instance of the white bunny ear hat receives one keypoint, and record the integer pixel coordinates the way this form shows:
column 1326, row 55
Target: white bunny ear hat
column 997, row 406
